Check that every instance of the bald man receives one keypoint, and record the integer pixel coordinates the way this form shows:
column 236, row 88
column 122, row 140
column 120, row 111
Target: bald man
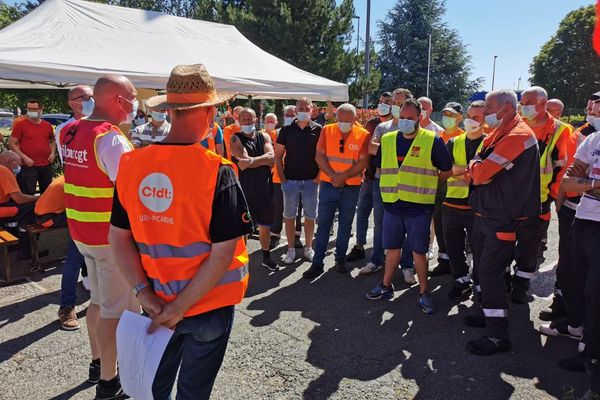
column 555, row 107
column 91, row 150
column 231, row 130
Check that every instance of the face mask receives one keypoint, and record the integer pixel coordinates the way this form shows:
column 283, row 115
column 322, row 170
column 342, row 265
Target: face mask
column 139, row 121
column 492, row 120
column 158, row 116
column 471, row 125
column 16, row 170
column 132, row 115
column 270, row 126
column 424, row 114
column 383, row 109
column 448, row 122
column 303, row 116
column 590, row 119
column 396, row 112
column 247, row 128
column 87, row 107
column 33, row 114
column 529, row 112
column 406, row 126
column 596, row 123
column 287, row 121
column 345, row 126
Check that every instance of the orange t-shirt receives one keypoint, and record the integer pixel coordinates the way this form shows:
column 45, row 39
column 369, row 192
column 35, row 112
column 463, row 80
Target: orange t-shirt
column 8, row 184
column 228, row 132
column 273, row 135
column 52, row 201
column 447, row 136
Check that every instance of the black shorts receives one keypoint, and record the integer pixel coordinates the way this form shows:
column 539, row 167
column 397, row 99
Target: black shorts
column 261, row 210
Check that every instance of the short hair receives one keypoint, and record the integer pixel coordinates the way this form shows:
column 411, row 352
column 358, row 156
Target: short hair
column 407, row 93
column 237, row 109
column 386, row 94
column 539, row 91
column 557, row 101
column 289, row 107
column 305, row 100
column 36, row 101
column 346, row 107
column 248, row 110
column 504, row 96
column 271, row 115
column 477, row 104
column 415, row 103
column 425, row 100
column 8, row 155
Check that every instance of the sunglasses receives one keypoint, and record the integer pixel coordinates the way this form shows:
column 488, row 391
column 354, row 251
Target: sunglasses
column 342, row 145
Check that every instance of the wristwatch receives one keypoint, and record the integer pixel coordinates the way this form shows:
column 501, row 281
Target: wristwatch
column 139, row 287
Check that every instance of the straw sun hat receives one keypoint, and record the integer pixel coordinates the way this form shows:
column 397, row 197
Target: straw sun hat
column 189, row 86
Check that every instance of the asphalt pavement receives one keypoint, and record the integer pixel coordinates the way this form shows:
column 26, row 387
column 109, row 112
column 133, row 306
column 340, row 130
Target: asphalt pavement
column 298, row 339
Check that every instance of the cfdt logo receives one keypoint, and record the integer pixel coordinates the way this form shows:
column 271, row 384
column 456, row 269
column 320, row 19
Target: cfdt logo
column 156, row 192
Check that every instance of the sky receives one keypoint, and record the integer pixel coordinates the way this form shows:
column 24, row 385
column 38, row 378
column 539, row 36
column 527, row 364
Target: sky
column 513, row 30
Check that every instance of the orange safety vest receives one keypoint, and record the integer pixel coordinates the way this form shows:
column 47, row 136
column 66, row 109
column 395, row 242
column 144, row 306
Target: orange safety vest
column 170, row 221
column 273, row 135
column 341, row 161
column 88, row 190
column 228, row 132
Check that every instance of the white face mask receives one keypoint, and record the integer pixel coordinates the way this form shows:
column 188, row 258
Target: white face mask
column 596, row 123
column 396, row 112
column 139, row 121
column 492, row 120
column 589, row 119
column 303, row 116
column 406, row 126
column 247, row 128
column 424, row 114
column 383, row 109
column 471, row 125
column 87, row 107
column 33, row 114
column 345, row 127
column 529, row 112
column 287, row 121
column 270, row 126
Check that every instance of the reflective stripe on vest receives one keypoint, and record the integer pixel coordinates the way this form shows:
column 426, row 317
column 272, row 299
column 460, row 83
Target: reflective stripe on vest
column 416, row 179
column 546, row 164
column 341, row 161
column 459, row 189
column 171, row 222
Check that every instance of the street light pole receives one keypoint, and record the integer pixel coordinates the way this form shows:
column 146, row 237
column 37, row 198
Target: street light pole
column 428, row 65
column 494, row 72
column 367, row 53
column 357, row 34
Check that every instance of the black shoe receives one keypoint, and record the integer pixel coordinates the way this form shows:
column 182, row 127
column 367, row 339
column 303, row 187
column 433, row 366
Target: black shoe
column 313, row 272
column 460, row 291
column 575, row 363
column 26, row 255
column 341, row 267
column 273, row 242
column 474, row 320
column 443, row 268
column 356, row 254
column 297, row 243
column 555, row 311
column 486, row 346
column 110, row 390
column 270, row 265
column 520, row 287
column 94, row 372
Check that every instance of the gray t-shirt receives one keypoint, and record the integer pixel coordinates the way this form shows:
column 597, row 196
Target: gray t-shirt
column 146, row 134
column 382, row 129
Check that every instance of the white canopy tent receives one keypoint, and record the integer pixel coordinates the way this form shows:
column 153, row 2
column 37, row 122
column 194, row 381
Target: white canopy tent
column 67, row 42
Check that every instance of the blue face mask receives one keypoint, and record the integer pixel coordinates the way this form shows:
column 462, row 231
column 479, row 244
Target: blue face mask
column 158, row 116
column 87, row 107
column 16, row 170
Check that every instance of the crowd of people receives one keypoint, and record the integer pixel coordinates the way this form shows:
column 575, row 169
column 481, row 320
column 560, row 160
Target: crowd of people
column 152, row 241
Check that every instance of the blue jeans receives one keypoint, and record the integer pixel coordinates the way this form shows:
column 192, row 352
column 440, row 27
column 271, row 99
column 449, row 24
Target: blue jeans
column 70, row 276
column 331, row 199
column 363, row 211
column 196, row 349
column 377, row 258
column 296, row 193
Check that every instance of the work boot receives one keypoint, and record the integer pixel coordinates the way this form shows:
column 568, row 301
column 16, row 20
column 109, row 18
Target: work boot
column 443, row 268
column 555, row 311
column 520, row 287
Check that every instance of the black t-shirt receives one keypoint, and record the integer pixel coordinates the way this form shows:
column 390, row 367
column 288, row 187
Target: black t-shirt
column 319, row 119
column 229, row 207
column 471, row 147
column 256, row 182
column 300, row 150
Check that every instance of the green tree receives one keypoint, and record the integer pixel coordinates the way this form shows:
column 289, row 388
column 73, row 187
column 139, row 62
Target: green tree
column 404, row 39
column 567, row 65
column 9, row 14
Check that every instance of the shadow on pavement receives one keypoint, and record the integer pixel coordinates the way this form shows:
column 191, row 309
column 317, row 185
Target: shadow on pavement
column 72, row 392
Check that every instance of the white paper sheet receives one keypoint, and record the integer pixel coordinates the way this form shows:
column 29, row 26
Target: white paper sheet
column 139, row 354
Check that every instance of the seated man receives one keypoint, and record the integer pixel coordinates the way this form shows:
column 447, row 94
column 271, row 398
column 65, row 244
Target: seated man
column 50, row 208
column 14, row 205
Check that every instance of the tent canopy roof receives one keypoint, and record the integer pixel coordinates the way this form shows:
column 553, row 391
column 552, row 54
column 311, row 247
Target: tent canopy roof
column 67, row 42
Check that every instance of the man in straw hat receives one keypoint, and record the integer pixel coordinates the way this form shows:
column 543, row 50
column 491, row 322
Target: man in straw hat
column 177, row 228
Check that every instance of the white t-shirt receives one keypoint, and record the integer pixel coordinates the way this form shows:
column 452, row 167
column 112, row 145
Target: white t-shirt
column 589, row 153
column 57, row 136
column 434, row 127
column 109, row 149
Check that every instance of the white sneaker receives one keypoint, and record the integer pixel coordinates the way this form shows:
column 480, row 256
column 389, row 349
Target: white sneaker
column 86, row 283
column 369, row 269
column 309, row 253
column 409, row 276
column 290, row 257
column 430, row 254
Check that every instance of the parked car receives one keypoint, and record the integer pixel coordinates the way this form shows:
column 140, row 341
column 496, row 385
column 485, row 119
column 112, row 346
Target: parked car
column 55, row 119
column 6, row 119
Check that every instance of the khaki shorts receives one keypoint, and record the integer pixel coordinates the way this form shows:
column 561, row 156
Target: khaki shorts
column 108, row 287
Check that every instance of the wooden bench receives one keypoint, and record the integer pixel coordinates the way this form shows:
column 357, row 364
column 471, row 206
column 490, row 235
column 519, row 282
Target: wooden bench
column 34, row 231
column 6, row 240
